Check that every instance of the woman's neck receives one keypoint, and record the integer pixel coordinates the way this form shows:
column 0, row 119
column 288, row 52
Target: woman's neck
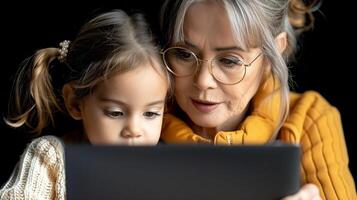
column 231, row 124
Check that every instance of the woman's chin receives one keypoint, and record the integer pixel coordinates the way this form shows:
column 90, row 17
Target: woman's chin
column 206, row 122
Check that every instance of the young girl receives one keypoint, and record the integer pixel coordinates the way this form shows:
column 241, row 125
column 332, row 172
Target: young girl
column 110, row 78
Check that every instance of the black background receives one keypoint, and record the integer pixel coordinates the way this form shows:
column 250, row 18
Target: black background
column 325, row 60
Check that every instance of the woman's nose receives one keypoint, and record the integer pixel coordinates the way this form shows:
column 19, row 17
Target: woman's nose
column 203, row 79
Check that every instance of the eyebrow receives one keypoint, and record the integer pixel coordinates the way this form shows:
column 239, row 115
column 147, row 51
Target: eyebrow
column 158, row 102
column 217, row 48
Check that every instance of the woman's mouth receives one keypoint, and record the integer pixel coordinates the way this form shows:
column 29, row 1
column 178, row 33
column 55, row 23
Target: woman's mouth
column 204, row 106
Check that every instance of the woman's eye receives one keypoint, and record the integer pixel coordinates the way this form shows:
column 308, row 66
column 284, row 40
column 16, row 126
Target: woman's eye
column 183, row 55
column 151, row 115
column 230, row 62
column 114, row 114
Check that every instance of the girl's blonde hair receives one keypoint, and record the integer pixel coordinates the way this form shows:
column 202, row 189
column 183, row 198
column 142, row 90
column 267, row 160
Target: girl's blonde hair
column 255, row 23
column 112, row 42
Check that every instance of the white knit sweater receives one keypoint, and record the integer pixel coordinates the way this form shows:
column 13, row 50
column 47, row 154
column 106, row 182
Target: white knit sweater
column 40, row 172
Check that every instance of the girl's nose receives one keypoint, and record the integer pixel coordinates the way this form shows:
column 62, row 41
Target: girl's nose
column 132, row 129
column 130, row 133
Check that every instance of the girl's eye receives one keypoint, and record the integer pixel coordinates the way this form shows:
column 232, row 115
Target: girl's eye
column 114, row 114
column 151, row 115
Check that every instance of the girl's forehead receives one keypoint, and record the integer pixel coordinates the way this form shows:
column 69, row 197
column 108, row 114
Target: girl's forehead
column 135, row 77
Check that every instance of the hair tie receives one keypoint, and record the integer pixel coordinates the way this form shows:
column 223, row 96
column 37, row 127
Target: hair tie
column 63, row 50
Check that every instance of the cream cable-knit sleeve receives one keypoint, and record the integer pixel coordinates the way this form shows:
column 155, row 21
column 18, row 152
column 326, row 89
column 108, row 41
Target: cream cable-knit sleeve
column 40, row 172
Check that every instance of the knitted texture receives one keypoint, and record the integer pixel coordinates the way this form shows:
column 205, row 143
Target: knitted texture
column 40, row 172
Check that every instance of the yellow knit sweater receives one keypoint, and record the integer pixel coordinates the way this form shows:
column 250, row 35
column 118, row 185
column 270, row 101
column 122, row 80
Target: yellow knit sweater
column 312, row 122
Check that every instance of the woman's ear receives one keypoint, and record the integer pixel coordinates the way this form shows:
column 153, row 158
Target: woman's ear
column 281, row 42
column 71, row 101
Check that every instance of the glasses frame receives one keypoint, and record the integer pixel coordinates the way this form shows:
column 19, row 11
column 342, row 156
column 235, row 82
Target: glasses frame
column 209, row 66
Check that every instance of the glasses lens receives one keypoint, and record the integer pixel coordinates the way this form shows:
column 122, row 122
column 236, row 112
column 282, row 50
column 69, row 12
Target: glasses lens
column 180, row 61
column 228, row 69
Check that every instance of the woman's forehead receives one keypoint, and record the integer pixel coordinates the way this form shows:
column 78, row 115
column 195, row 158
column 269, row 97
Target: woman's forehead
column 208, row 24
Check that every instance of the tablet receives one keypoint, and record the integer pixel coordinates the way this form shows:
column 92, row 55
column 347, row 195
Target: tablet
column 177, row 172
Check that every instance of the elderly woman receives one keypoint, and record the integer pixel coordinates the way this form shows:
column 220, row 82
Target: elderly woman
column 229, row 62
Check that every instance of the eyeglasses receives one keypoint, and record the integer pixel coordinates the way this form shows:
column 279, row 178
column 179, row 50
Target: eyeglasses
column 225, row 68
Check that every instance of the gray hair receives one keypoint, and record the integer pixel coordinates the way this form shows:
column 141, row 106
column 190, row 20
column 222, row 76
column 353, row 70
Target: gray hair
column 255, row 23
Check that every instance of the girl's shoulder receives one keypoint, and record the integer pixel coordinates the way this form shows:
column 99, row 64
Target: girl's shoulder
column 40, row 172
column 48, row 146
column 47, row 140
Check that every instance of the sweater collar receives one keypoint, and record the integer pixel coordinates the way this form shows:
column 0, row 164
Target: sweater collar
column 257, row 128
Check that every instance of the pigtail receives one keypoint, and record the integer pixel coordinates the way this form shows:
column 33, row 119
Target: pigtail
column 301, row 14
column 33, row 100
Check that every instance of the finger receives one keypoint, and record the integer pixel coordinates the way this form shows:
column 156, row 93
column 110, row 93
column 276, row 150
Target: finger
column 311, row 190
column 307, row 192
